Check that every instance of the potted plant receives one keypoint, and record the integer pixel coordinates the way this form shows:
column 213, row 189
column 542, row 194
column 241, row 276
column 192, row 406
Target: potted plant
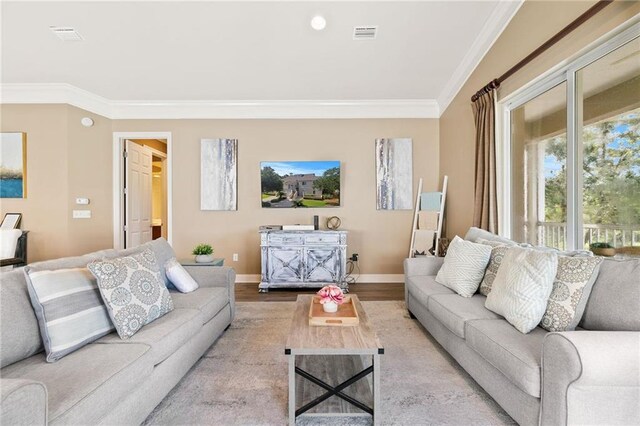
column 203, row 253
column 330, row 297
column 602, row 249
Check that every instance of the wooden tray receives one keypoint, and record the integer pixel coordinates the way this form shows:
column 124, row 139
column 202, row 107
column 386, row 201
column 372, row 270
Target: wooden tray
column 347, row 315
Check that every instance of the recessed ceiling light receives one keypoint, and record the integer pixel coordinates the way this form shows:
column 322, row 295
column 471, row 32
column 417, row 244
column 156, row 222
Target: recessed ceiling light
column 66, row 33
column 318, row 23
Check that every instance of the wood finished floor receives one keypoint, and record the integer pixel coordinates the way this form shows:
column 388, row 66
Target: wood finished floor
column 248, row 292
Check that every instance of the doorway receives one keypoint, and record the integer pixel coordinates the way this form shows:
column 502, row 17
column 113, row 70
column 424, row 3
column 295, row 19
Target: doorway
column 141, row 188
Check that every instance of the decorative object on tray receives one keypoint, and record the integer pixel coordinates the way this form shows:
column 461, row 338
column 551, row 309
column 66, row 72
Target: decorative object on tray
column 218, row 174
column 346, row 314
column 13, row 165
column 330, row 297
column 394, row 174
column 203, row 253
column 602, row 249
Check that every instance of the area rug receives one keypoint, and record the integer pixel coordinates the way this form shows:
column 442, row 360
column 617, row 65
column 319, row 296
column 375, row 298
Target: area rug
column 242, row 379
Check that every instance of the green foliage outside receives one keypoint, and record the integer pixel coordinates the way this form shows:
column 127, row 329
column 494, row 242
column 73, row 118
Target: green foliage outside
column 611, row 173
column 270, row 180
column 329, row 182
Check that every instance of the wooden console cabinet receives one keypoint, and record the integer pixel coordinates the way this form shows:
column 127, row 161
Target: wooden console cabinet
column 307, row 259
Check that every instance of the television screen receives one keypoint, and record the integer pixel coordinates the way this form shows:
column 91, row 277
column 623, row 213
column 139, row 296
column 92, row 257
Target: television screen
column 291, row 184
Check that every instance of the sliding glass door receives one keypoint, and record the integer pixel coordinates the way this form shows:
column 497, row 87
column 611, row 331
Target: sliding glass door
column 573, row 152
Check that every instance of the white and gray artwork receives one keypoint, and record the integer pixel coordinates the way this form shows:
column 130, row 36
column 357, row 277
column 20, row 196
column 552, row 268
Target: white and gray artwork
column 394, row 174
column 218, row 174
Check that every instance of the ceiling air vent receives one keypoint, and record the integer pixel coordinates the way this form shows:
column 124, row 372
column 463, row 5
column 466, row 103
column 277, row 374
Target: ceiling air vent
column 365, row 33
column 66, row 33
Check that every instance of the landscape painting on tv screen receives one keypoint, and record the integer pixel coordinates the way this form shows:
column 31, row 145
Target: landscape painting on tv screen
column 291, row 184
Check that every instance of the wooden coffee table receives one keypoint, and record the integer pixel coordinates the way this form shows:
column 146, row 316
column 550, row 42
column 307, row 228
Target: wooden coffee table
column 340, row 355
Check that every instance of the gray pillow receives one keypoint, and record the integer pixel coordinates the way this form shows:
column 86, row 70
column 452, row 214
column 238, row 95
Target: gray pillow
column 132, row 290
column 571, row 289
column 473, row 234
column 69, row 309
column 614, row 304
column 497, row 254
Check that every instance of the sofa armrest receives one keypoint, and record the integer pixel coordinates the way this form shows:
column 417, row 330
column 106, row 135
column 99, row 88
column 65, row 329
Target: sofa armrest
column 216, row 276
column 429, row 265
column 591, row 377
column 24, row 402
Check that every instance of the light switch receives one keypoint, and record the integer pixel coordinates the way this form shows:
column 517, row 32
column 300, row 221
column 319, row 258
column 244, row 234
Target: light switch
column 82, row 201
column 82, row 214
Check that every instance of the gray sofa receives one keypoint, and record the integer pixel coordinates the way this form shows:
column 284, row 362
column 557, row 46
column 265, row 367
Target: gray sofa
column 110, row 381
column 575, row 377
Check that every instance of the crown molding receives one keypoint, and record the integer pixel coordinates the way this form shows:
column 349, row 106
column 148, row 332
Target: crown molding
column 61, row 93
column 495, row 25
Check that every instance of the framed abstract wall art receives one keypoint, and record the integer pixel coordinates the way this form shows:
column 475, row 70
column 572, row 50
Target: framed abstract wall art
column 13, row 165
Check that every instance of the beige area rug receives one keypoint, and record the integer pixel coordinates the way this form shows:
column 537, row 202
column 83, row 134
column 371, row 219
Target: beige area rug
column 242, row 379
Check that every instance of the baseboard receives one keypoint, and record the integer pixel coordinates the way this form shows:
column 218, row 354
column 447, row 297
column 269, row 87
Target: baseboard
column 362, row 278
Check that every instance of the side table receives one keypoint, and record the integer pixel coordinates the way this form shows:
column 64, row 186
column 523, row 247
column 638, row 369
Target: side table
column 191, row 262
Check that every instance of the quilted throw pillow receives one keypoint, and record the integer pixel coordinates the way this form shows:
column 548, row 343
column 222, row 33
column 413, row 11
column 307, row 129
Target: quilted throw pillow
column 464, row 266
column 132, row 290
column 522, row 286
column 69, row 309
column 571, row 289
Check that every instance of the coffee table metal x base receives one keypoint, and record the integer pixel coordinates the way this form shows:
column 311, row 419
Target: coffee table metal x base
column 337, row 391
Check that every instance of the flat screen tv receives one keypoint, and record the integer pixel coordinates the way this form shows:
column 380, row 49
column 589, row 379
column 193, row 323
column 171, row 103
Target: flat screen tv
column 292, row 184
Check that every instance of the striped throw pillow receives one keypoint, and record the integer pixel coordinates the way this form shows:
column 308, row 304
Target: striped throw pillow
column 69, row 309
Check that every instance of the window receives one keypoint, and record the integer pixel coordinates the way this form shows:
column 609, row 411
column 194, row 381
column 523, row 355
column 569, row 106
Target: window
column 573, row 152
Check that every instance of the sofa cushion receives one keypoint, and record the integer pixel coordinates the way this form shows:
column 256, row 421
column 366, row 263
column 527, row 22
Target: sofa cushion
column 516, row 355
column 424, row 286
column 19, row 332
column 24, row 402
column 69, row 309
column 208, row 300
column 165, row 335
column 132, row 290
column 464, row 266
column 83, row 386
column 522, row 287
column 614, row 301
column 453, row 310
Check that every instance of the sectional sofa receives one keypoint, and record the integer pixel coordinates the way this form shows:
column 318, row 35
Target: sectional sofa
column 110, row 381
column 587, row 376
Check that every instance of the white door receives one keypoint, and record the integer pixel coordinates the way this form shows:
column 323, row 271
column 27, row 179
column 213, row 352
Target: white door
column 137, row 194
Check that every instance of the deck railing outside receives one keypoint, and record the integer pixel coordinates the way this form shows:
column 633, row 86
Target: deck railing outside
column 553, row 234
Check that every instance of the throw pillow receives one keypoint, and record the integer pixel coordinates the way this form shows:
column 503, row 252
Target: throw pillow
column 571, row 289
column 497, row 254
column 179, row 277
column 133, row 291
column 69, row 309
column 522, row 287
column 464, row 266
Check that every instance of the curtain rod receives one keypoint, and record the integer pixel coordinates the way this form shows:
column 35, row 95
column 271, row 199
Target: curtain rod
column 495, row 83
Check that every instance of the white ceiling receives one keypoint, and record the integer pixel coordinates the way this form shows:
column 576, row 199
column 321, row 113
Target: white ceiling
column 250, row 51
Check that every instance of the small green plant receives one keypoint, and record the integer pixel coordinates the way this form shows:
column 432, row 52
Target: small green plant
column 202, row 249
column 600, row 245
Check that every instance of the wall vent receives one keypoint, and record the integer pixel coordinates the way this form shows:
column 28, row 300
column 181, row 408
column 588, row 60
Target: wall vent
column 66, row 33
column 365, row 33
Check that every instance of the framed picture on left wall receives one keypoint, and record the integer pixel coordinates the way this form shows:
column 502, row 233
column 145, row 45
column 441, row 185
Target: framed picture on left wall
column 13, row 165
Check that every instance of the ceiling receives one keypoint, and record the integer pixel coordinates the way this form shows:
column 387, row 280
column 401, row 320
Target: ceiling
column 250, row 51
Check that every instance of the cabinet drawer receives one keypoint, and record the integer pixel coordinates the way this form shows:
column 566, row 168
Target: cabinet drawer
column 279, row 239
column 322, row 239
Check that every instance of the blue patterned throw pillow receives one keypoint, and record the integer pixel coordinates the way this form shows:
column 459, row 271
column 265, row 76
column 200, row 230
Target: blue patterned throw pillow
column 132, row 290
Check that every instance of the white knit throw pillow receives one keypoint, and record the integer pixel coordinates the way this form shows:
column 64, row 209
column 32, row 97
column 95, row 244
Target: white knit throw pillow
column 464, row 266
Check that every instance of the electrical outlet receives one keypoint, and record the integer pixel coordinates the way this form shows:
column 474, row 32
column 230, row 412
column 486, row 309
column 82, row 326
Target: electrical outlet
column 354, row 257
column 82, row 214
column 235, row 257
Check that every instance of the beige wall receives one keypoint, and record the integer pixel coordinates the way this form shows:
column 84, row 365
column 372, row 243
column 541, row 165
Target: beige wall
column 535, row 22
column 380, row 237
column 66, row 160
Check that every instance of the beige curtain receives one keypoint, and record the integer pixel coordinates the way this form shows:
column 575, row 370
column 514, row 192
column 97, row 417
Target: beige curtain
column 485, row 211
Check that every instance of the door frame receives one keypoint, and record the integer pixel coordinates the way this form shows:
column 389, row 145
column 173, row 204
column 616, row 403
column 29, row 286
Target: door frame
column 118, row 168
